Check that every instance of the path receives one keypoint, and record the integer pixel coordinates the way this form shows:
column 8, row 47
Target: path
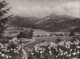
column 25, row 55
column 32, row 40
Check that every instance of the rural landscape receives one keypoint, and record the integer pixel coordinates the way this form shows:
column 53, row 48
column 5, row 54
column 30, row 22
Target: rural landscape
column 39, row 29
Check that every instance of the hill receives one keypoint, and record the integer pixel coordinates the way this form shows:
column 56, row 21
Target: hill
column 52, row 22
column 23, row 21
column 60, row 23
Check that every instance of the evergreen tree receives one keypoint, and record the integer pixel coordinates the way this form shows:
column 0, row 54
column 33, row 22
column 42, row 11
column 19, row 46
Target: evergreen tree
column 72, row 33
column 3, row 19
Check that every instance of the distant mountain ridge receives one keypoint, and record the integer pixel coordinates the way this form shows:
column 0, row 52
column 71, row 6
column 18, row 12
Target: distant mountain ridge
column 23, row 21
column 52, row 22
column 60, row 23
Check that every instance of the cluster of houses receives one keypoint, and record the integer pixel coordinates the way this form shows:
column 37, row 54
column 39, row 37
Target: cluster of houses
column 59, row 34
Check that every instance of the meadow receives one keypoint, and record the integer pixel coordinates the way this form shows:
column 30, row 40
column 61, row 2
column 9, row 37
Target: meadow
column 13, row 32
column 49, row 39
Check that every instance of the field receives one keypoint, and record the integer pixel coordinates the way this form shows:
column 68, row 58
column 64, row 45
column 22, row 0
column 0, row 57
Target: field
column 49, row 39
column 13, row 32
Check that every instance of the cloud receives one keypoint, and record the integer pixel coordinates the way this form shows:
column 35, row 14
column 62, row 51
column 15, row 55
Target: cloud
column 44, row 0
column 71, row 9
column 33, row 10
column 41, row 9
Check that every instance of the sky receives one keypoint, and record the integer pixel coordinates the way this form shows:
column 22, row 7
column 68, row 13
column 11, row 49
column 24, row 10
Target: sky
column 42, row 8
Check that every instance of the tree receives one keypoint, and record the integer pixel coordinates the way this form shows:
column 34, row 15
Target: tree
column 26, row 34
column 30, row 34
column 72, row 33
column 3, row 19
column 58, row 40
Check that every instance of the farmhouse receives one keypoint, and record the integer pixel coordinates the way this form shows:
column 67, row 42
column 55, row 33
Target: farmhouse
column 47, row 34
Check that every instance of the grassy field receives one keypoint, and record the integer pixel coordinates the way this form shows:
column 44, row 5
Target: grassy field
column 13, row 32
column 49, row 39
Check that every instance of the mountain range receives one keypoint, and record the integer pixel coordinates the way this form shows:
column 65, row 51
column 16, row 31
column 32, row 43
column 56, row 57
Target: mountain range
column 53, row 22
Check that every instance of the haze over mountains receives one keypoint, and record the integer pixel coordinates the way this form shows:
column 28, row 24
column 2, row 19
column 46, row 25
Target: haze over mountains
column 52, row 22
column 43, row 8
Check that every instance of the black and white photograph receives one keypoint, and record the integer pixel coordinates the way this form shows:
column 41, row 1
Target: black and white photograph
column 39, row 29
